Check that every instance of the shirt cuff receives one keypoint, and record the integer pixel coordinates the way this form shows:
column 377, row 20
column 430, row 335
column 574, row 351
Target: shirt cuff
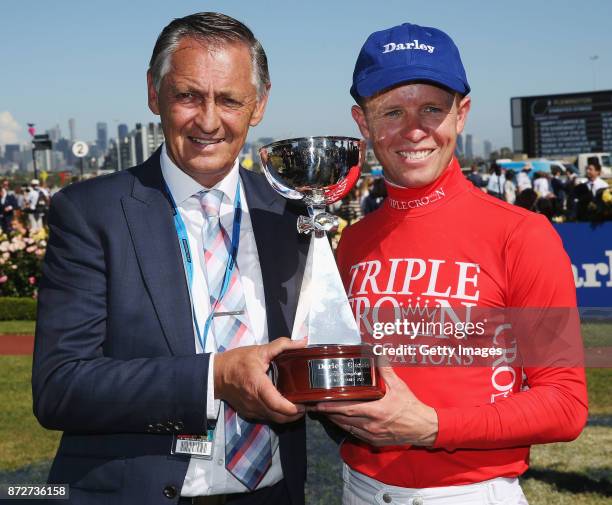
column 212, row 405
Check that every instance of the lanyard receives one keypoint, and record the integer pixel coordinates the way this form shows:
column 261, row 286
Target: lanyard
column 181, row 231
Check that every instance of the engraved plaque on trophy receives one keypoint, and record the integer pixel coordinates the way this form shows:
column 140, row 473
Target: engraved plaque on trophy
column 335, row 365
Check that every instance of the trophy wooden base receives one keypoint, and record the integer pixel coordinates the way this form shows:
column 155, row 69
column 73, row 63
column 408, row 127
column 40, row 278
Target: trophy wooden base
column 328, row 373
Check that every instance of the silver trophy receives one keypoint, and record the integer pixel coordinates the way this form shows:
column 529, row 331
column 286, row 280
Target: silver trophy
column 320, row 171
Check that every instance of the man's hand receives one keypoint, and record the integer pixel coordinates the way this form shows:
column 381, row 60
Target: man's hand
column 241, row 380
column 399, row 418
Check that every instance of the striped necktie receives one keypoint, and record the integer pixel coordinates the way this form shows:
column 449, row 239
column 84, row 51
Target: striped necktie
column 248, row 452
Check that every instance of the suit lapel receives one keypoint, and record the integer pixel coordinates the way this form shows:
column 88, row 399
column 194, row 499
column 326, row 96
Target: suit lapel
column 150, row 220
column 282, row 252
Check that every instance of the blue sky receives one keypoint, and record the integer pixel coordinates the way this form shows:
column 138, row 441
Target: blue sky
column 88, row 60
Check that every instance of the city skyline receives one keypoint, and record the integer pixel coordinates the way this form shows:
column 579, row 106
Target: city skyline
column 96, row 73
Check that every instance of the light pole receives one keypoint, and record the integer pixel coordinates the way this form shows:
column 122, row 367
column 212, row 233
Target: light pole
column 32, row 132
column 594, row 58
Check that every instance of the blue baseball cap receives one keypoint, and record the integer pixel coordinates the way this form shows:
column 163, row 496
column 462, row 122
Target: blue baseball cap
column 408, row 53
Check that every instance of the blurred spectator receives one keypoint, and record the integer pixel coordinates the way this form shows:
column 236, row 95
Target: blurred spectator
column 36, row 206
column 474, row 176
column 545, row 207
column 495, row 184
column 522, row 179
column 593, row 173
column 376, row 195
column 527, row 199
column 510, row 187
column 6, row 186
column 540, row 184
column 8, row 205
column 21, row 194
column 350, row 208
column 583, row 202
column 559, row 188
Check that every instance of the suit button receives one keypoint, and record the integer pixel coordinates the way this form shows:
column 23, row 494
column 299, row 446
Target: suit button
column 170, row 492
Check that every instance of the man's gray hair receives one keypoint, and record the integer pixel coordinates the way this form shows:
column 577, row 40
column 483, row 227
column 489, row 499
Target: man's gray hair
column 209, row 28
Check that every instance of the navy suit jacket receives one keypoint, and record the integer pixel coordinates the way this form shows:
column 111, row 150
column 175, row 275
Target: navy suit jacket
column 115, row 366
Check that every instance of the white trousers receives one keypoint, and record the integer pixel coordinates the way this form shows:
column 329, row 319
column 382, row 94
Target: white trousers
column 360, row 489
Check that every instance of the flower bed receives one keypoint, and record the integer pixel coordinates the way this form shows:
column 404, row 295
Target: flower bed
column 20, row 263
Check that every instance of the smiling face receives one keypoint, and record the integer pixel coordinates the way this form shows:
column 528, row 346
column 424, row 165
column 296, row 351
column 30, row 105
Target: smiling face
column 413, row 129
column 207, row 101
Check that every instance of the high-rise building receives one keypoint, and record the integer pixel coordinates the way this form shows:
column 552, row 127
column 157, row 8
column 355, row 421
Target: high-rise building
column 122, row 131
column 469, row 150
column 125, row 154
column 145, row 139
column 72, row 129
column 54, row 133
column 459, row 149
column 488, row 148
column 101, row 138
column 11, row 152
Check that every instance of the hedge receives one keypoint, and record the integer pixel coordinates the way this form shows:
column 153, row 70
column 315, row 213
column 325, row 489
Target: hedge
column 17, row 309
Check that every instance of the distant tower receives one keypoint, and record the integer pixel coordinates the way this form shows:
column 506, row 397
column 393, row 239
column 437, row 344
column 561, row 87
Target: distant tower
column 122, row 131
column 72, row 129
column 488, row 148
column 460, row 145
column 469, row 151
column 54, row 133
column 102, row 137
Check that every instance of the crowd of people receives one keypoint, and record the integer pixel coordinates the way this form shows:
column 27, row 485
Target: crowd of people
column 557, row 195
column 365, row 197
column 23, row 209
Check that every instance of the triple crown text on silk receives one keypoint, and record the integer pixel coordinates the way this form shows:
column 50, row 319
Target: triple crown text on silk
column 430, row 289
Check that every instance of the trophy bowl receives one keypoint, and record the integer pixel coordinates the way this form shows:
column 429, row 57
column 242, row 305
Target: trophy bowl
column 335, row 365
column 317, row 170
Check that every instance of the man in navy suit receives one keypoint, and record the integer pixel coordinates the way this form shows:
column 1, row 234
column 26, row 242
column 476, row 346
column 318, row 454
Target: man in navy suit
column 8, row 204
column 126, row 360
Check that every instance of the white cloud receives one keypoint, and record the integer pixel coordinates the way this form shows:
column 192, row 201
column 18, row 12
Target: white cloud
column 9, row 128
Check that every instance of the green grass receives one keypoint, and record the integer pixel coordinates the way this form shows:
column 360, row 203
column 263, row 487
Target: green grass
column 596, row 334
column 578, row 472
column 599, row 384
column 17, row 327
column 22, row 440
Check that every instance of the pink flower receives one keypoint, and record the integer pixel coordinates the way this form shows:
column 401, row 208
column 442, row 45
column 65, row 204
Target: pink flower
column 32, row 280
column 3, row 279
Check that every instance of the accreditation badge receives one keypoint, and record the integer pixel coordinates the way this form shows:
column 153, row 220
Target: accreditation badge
column 196, row 446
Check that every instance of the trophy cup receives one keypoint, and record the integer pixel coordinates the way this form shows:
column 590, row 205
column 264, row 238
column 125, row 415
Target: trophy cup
column 335, row 365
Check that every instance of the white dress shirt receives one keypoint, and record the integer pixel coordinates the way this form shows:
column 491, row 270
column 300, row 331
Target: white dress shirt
column 209, row 476
column 541, row 187
column 522, row 181
column 596, row 184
